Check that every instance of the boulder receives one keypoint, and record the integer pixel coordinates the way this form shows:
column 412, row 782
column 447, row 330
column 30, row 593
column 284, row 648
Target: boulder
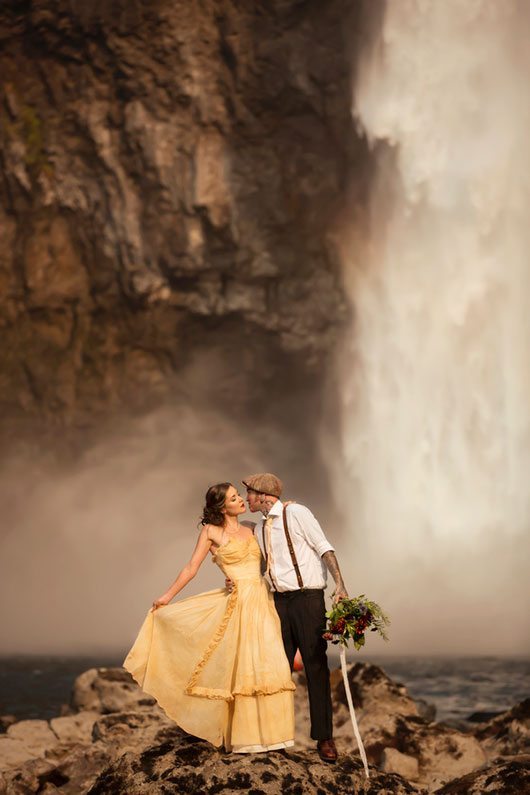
column 394, row 732
column 443, row 753
column 13, row 753
column 74, row 728
column 372, row 689
column 25, row 740
column 107, row 690
column 36, row 735
column 508, row 776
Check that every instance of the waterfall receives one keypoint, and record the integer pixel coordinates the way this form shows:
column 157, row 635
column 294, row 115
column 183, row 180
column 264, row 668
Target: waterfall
column 435, row 375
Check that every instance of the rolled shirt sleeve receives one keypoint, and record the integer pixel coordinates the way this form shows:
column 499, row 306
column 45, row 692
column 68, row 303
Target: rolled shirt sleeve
column 310, row 529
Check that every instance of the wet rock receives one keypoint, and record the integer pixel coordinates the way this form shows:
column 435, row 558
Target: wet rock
column 506, row 777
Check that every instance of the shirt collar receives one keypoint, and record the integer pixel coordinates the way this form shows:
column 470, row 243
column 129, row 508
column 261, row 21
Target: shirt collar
column 276, row 509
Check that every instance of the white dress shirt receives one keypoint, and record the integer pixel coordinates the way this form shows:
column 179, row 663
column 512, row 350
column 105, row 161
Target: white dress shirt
column 309, row 544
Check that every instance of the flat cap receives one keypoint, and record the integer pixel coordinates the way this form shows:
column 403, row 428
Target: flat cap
column 265, row 483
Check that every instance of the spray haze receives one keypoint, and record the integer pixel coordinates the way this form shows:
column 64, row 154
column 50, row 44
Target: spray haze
column 436, row 375
column 86, row 549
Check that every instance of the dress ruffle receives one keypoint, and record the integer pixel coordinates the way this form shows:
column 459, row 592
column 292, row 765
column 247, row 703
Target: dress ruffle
column 207, row 692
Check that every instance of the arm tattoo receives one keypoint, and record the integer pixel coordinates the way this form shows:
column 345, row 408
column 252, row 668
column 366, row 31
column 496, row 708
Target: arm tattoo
column 332, row 563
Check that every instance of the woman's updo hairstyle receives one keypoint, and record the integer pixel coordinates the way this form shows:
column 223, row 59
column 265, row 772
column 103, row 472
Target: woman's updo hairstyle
column 214, row 503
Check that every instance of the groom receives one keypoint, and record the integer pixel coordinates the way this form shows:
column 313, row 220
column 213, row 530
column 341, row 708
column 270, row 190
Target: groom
column 297, row 557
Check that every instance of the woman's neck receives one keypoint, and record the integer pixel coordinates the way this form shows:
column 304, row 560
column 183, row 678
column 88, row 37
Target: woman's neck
column 232, row 524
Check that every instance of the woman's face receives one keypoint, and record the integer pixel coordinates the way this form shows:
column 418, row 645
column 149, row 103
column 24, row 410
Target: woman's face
column 234, row 504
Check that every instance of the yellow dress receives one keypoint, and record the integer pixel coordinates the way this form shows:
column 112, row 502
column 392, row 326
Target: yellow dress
column 216, row 663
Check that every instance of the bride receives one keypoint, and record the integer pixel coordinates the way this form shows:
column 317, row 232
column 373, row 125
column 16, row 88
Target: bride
column 216, row 662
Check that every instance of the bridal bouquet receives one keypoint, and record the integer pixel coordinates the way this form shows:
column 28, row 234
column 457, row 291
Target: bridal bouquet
column 351, row 618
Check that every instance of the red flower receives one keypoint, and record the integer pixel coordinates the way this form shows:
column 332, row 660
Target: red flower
column 327, row 636
column 340, row 625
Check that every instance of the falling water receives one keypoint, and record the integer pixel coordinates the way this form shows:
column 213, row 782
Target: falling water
column 436, row 375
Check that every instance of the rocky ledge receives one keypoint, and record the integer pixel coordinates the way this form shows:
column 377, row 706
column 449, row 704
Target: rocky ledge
column 114, row 739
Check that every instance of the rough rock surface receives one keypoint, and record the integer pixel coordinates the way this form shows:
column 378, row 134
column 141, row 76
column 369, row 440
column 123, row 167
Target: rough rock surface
column 191, row 767
column 118, row 741
column 505, row 777
column 395, row 736
column 393, row 761
column 107, row 690
column 170, row 174
column 507, row 734
column 134, row 748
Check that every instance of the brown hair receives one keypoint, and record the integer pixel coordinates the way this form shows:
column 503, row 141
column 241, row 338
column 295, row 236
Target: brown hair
column 214, row 501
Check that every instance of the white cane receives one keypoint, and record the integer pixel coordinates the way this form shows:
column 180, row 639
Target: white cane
column 352, row 711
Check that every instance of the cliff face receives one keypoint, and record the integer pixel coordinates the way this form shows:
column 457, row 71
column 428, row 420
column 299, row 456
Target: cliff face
column 169, row 176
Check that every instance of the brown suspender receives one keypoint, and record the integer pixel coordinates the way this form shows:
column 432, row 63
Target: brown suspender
column 275, row 587
column 289, row 546
column 291, row 549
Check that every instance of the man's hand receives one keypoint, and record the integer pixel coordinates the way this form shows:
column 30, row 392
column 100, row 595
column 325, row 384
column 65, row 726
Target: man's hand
column 338, row 594
column 229, row 585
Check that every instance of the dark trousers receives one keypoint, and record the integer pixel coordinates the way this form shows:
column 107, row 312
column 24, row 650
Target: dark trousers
column 303, row 619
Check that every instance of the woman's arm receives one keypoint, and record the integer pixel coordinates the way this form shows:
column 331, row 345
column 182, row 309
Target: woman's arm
column 188, row 572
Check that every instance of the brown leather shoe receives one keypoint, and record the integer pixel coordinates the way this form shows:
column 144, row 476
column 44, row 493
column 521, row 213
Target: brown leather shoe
column 327, row 751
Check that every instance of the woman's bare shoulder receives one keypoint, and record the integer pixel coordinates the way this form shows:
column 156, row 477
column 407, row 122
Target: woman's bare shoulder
column 207, row 531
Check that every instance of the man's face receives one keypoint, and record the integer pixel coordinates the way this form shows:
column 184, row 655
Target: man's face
column 254, row 500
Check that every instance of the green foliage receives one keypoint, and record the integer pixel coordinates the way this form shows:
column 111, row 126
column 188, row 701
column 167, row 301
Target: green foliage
column 349, row 619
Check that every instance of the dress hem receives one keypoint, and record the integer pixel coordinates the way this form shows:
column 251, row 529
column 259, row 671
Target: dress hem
column 256, row 749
